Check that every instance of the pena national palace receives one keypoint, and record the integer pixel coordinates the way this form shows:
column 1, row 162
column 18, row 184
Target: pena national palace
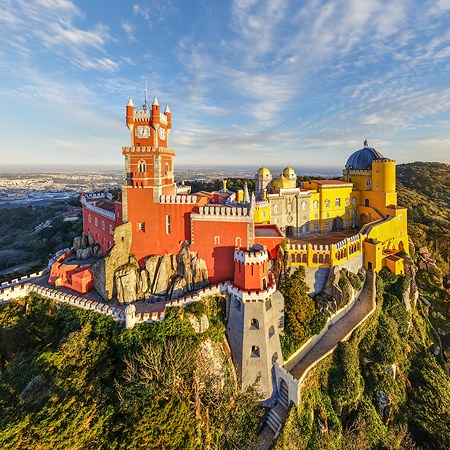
column 158, row 245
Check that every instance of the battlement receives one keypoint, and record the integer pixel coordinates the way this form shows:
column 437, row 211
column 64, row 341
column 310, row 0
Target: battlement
column 261, row 204
column 383, row 161
column 251, row 256
column 90, row 197
column 178, row 199
column 131, row 150
column 141, row 115
column 221, row 210
column 251, row 296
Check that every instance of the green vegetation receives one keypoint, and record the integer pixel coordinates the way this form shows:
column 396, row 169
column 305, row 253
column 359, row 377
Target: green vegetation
column 30, row 235
column 302, row 316
column 71, row 379
column 383, row 389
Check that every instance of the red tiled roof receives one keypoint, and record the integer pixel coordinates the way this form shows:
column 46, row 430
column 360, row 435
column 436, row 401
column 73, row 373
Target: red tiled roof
column 106, row 205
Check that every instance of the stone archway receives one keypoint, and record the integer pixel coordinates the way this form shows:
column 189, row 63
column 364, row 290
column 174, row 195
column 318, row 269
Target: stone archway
column 338, row 224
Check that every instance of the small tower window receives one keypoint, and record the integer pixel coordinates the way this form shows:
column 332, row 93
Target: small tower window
column 327, row 203
column 347, row 202
column 354, row 201
column 216, row 240
column 271, row 331
column 103, row 224
column 89, row 218
column 142, row 166
column 166, row 169
column 254, row 324
column 142, row 226
column 167, row 224
column 316, row 204
column 338, row 202
column 368, row 183
column 255, row 353
column 289, row 207
column 96, row 222
column 276, row 209
column 238, row 242
column 303, row 206
column 110, row 228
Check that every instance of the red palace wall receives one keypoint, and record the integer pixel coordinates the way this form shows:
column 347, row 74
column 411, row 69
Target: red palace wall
column 155, row 239
column 104, row 237
column 215, row 243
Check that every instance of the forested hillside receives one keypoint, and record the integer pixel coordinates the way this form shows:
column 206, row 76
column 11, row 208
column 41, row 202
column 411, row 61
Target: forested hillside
column 70, row 379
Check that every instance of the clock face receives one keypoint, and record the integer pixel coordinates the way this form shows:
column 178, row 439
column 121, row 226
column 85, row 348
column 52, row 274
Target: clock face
column 143, row 131
column 162, row 133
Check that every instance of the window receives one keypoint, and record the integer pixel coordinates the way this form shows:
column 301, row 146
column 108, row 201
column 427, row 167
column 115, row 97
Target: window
column 328, row 215
column 347, row 202
column 142, row 226
column 303, row 206
column 316, row 215
column 255, row 353
column 316, row 204
column 316, row 227
column 337, row 202
column 271, row 331
column 103, row 224
column 268, row 304
column 327, row 226
column 354, row 201
column 400, row 217
column 289, row 207
column 368, row 183
column 347, row 213
column 354, row 212
column 327, row 203
column 111, row 228
column 254, row 324
column 166, row 169
column 216, row 240
column 347, row 223
column 238, row 242
column 275, row 209
column 96, row 222
column 142, row 166
column 89, row 218
column 167, row 224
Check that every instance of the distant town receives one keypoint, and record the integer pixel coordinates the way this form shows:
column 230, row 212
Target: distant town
column 33, row 188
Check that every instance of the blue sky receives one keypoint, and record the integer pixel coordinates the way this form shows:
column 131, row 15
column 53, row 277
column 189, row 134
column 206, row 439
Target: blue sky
column 247, row 81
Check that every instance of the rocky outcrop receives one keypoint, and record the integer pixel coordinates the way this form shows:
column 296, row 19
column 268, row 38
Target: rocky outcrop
column 411, row 295
column 162, row 278
column 84, row 249
column 384, row 405
column 200, row 325
column 210, row 369
column 426, row 261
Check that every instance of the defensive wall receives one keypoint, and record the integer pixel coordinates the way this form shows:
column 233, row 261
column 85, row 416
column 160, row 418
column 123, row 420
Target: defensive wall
column 283, row 374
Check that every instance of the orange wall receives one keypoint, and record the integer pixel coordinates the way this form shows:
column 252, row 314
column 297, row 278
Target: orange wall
column 219, row 257
column 249, row 276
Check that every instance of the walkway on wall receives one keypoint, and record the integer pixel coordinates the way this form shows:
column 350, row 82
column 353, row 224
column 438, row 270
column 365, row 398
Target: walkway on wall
column 341, row 330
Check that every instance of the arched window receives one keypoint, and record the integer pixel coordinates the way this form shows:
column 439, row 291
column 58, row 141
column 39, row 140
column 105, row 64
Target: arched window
column 316, row 215
column 238, row 242
column 275, row 209
column 110, row 228
column 255, row 353
column 103, row 224
column 347, row 202
column 354, row 201
column 274, row 357
column 316, row 204
column 271, row 331
column 254, row 324
column 96, row 222
column 142, row 166
column 303, row 206
column 327, row 203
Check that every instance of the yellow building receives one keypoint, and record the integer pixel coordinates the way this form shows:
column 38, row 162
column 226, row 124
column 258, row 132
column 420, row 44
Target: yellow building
column 361, row 209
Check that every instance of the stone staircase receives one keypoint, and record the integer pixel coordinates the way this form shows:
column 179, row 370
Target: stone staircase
column 274, row 421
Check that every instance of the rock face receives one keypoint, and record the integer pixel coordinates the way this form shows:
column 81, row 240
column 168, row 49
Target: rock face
column 86, row 250
column 384, row 405
column 412, row 293
column 426, row 261
column 200, row 325
column 209, row 370
column 162, row 277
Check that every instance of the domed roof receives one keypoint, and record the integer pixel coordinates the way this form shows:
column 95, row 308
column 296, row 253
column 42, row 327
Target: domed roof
column 362, row 159
column 130, row 309
column 288, row 171
column 263, row 171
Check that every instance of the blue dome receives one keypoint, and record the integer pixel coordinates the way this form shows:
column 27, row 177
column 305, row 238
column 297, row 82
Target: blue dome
column 362, row 159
